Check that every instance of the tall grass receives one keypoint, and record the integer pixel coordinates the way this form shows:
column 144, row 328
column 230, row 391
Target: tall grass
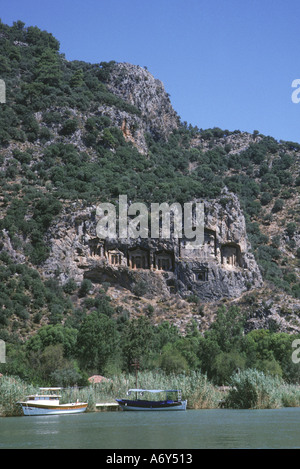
column 12, row 390
column 195, row 388
column 249, row 389
column 252, row 389
column 290, row 395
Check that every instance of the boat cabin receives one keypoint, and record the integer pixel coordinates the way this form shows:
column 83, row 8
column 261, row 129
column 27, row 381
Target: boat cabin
column 45, row 395
column 47, row 403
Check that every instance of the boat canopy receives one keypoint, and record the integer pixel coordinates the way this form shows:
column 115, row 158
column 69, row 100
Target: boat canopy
column 50, row 389
column 153, row 390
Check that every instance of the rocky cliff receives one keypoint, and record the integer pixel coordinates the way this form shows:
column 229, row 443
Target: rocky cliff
column 138, row 87
column 75, row 134
column 222, row 267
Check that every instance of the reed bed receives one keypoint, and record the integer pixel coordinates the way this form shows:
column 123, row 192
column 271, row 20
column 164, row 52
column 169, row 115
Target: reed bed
column 249, row 389
column 252, row 389
column 12, row 390
column 290, row 395
column 195, row 387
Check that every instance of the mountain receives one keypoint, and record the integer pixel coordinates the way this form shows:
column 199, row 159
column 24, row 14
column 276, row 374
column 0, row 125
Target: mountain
column 75, row 134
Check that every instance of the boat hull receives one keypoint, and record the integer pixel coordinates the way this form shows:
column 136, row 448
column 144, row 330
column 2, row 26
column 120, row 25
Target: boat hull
column 127, row 405
column 36, row 409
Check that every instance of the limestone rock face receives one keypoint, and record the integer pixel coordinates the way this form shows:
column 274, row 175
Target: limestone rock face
column 223, row 267
column 138, row 87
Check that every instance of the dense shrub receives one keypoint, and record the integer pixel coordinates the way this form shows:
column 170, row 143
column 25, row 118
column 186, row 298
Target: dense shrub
column 252, row 389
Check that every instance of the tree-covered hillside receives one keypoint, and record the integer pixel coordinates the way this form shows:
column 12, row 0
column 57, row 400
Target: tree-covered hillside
column 65, row 139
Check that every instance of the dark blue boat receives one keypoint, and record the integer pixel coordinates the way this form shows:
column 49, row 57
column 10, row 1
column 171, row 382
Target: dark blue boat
column 146, row 404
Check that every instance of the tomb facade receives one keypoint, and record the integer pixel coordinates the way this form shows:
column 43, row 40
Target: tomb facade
column 115, row 257
column 163, row 260
column 96, row 247
column 230, row 255
column 138, row 258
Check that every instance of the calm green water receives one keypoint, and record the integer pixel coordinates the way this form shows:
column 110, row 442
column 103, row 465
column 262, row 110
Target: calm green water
column 193, row 429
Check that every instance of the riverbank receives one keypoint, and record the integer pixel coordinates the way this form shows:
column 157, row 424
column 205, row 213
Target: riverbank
column 248, row 390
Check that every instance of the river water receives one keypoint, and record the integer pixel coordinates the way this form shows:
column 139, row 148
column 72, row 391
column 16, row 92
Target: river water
column 193, row 429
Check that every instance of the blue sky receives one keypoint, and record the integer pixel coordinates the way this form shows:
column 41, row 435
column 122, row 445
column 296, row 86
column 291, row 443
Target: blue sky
column 225, row 63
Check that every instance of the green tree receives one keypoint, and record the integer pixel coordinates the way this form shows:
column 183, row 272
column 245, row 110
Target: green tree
column 137, row 342
column 50, row 360
column 97, row 342
column 227, row 329
column 48, row 70
column 85, row 287
column 70, row 286
column 53, row 335
column 271, row 353
column 164, row 333
column 225, row 365
column 291, row 229
column 69, row 127
column 208, row 350
column 77, row 79
column 278, row 206
column 108, row 140
column 172, row 361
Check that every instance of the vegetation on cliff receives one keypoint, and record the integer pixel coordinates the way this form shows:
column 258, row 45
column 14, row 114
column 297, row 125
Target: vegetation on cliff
column 63, row 141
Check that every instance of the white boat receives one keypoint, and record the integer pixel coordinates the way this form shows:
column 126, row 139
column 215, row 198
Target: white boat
column 169, row 403
column 48, row 403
